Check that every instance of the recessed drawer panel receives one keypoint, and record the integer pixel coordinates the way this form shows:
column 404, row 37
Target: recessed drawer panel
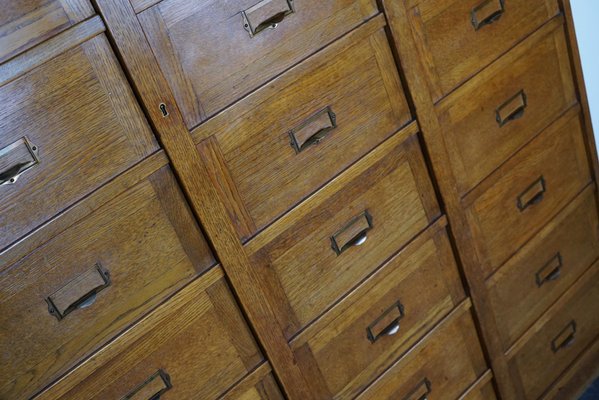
column 441, row 367
column 289, row 138
column 546, row 266
column 558, row 338
column 460, row 37
column 195, row 346
column 315, row 254
column 70, row 296
column 259, row 385
column 357, row 340
column 66, row 127
column 481, row 391
column 501, row 109
column 23, row 24
column 527, row 191
column 213, row 52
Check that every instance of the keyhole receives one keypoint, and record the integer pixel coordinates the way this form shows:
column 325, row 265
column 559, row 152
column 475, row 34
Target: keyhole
column 163, row 109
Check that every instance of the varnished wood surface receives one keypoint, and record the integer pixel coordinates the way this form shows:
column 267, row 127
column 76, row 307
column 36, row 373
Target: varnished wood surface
column 482, row 389
column 558, row 158
column 422, row 279
column 537, row 359
column 294, row 256
column 210, row 60
column 23, row 24
column 198, row 338
column 453, row 50
column 150, row 245
column 572, row 237
column 259, row 385
column 263, row 173
column 79, row 113
column 197, row 183
column 478, row 144
column 449, row 358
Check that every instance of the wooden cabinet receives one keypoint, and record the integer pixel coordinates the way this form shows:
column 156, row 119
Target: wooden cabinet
column 269, row 199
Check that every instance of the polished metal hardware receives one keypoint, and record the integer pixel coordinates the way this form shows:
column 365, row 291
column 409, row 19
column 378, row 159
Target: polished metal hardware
column 486, row 13
column 313, row 130
column 152, row 389
column 17, row 158
column 511, row 109
column 388, row 324
column 532, row 195
column 78, row 293
column 267, row 14
column 354, row 233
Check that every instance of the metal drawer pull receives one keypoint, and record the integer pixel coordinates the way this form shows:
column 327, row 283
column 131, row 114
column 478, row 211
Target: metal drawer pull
column 551, row 271
column 566, row 337
column 387, row 324
column 267, row 14
column 420, row 392
column 152, row 388
column 78, row 293
column 313, row 130
column 532, row 195
column 512, row 109
column 353, row 234
column 486, row 13
column 16, row 158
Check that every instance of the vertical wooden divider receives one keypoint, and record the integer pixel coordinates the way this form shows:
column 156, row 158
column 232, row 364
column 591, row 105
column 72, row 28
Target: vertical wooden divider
column 155, row 95
column 414, row 71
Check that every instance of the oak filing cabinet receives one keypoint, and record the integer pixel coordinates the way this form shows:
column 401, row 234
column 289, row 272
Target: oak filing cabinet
column 243, row 199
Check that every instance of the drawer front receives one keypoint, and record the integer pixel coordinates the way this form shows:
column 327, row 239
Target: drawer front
column 310, row 124
column 211, row 59
column 482, row 391
column 359, row 338
column 501, row 109
column 460, row 37
column 23, row 24
column 546, row 266
column 314, row 255
column 259, row 385
column 527, row 191
column 66, row 127
column 442, row 366
column 194, row 346
column 559, row 337
column 85, row 285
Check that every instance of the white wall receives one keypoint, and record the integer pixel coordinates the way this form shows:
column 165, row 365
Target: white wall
column 586, row 22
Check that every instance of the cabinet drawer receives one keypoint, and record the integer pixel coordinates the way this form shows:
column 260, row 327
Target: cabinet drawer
column 314, row 255
column 442, row 366
column 558, row 338
column 546, row 266
column 209, row 57
column 23, row 24
column 528, row 190
column 289, row 138
column 493, row 115
column 194, row 346
column 483, row 390
column 67, row 298
column 66, row 127
column 460, row 37
column 259, row 385
column 358, row 339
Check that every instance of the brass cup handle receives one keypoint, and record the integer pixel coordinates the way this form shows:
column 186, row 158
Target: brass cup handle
column 152, row 388
column 565, row 338
column 267, row 14
column 551, row 271
column 533, row 194
column 17, row 158
column 512, row 109
column 79, row 293
column 486, row 13
column 313, row 130
column 353, row 234
column 387, row 324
